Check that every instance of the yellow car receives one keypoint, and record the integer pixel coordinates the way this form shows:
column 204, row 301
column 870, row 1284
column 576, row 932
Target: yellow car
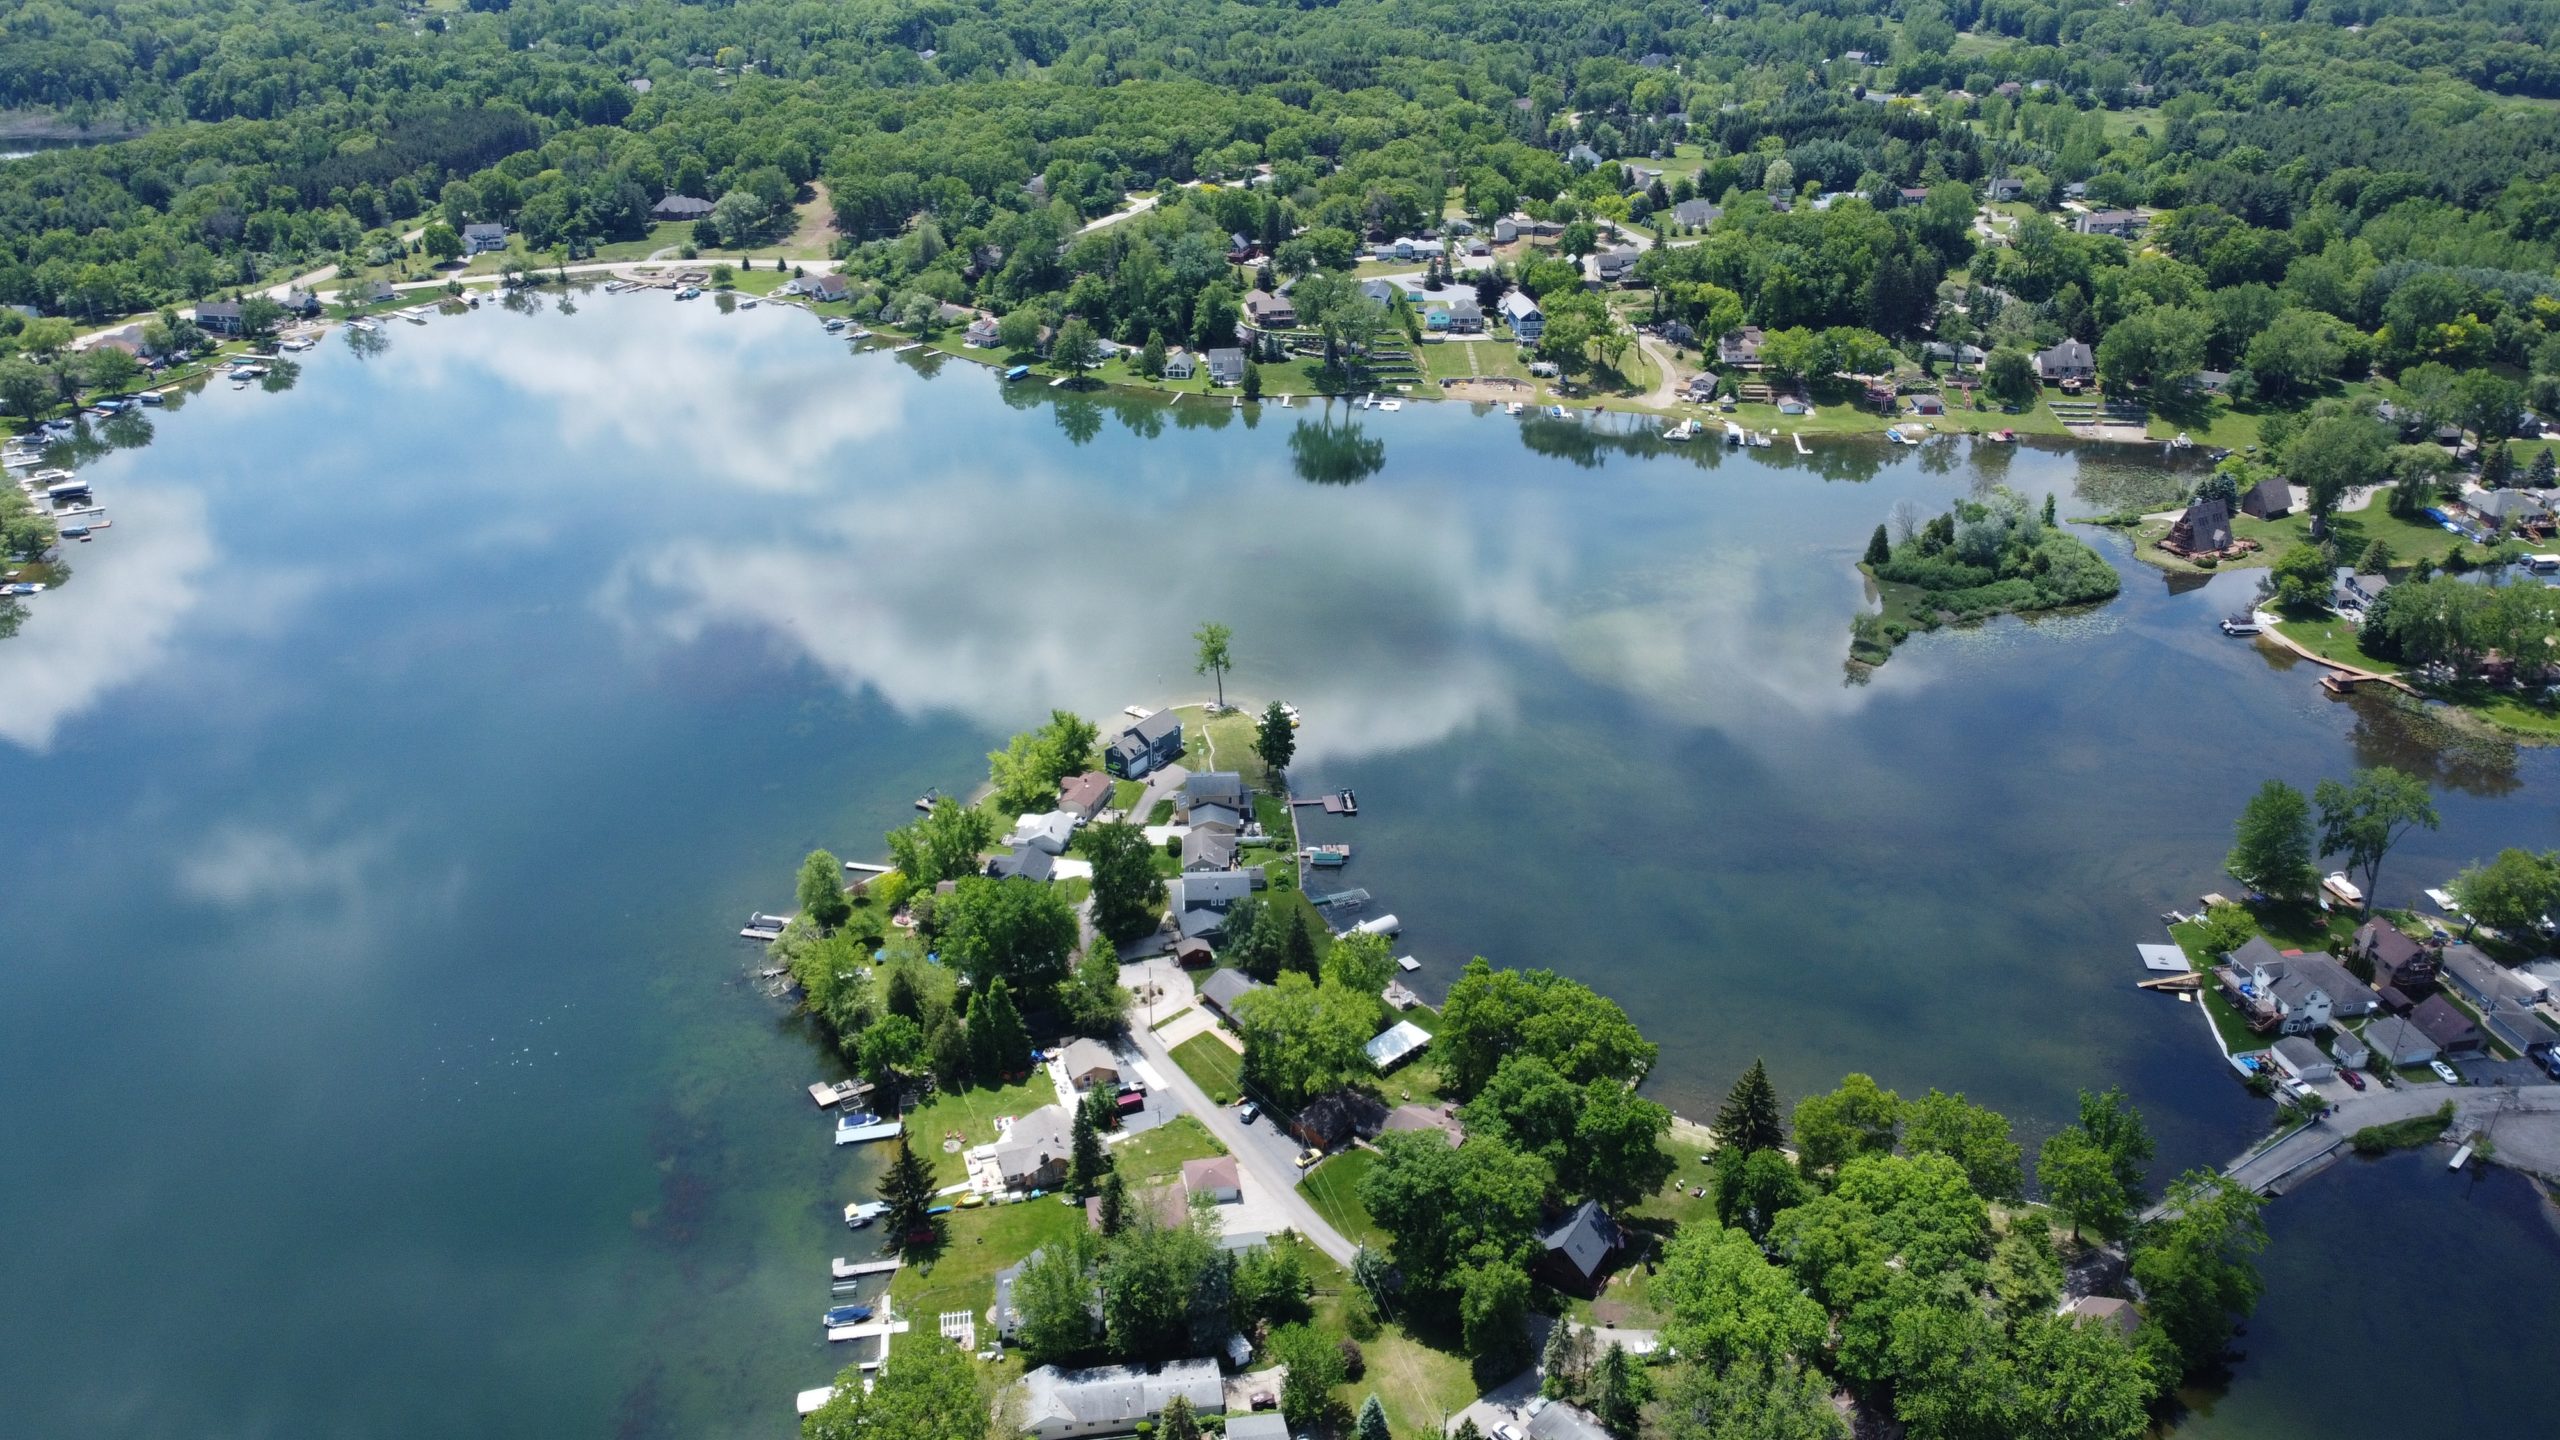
column 1309, row 1157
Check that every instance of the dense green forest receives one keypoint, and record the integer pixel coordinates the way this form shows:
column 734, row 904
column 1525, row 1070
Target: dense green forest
column 2369, row 184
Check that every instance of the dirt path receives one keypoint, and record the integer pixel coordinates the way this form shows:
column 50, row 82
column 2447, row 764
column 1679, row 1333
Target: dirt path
column 1666, row 391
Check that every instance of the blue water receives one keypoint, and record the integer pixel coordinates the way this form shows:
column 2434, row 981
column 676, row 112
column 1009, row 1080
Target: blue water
column 384, row 791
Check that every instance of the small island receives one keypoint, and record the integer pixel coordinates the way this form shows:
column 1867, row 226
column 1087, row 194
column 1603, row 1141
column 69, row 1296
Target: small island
column 1992, row 555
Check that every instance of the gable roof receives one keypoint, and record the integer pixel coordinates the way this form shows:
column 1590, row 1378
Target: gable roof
column 2387, row 943
column 2068, row 355
column 1560, row 1421
column 2395, row 1036
column 1084, row 1056
column 1517, row 304
column 1118, row 1395
column 1084, row 794
column 1584, row 1239
column 1226, row 987
column 2444, row 1024
column 1025, row 862
column 1035, row 1139
column 2258, row 953
column 1210, row 1175
column 1225, row 786
column 1208, row 848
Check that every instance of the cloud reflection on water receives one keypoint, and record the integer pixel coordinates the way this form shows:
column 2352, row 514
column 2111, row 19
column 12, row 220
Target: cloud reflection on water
column 113, row 624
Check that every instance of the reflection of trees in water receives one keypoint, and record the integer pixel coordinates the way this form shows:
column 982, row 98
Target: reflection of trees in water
column 1080, row 417
column 726, row 301
column 280, row 377
column 2410, row 735
column 1565, row 440
column 1328, row 452
column 368, row 343
column 128, row 431
column 1144, row 421
column 567, row 303
column 525, row 300
column 927, row 362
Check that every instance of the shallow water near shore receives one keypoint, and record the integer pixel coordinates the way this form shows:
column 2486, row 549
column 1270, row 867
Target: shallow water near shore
column 387, row 787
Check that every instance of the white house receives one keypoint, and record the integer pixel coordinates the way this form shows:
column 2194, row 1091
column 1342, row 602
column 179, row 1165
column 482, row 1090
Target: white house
column 481, row 238
column 1049, row 832
column 1111, row 1400
column 1523, row 315
column 1177, row 364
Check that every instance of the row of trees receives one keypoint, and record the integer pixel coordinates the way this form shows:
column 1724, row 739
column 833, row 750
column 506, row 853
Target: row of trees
column 2360, row 819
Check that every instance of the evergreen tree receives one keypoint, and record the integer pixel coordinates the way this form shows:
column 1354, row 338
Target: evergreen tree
column 1115, row 1203
column 1151, row 359
column 1297, row 951
column 1177, row 1422
column 998, row 1044
column 1252, row 381
column 1749, row 1120
column 1619, row 1388
column 1373, row 1420
column 982, row 1051
column 1091, row 1161
column 1879, row 549
column 900, row 994
column 1561, row 1376
column 2048, row 507
column 947, row 1048
column 908, row 1191
column 2546, row 470
column 1275, row 740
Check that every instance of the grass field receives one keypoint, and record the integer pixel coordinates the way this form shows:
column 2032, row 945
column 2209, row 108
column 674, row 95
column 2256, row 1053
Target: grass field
column 1161, row 1152
column 971, row 1115
column 1333, row 1187
column 979, row 1243
column 1212, row 1066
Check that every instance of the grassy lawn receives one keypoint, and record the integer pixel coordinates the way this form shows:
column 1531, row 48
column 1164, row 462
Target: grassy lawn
column 2335, row 639
column 2410, row 539
column 1420, row 1383
column 1212, row 1066
column 1161, row 1152
column 980, row 1242
column 1125, row 793
column 1333, row 1187
column 972, row 1115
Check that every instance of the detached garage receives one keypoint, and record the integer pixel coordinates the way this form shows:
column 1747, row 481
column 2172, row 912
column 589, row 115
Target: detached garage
column 2298, row 1057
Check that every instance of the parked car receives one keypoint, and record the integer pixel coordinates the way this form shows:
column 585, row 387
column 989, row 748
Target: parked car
column 2354, row 1080
column 1309, row 1157
column 2445, row 1073
column 1250, row 1113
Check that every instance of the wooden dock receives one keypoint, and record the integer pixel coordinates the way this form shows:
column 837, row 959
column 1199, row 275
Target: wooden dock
column 855, row 1270
column 839, row 1092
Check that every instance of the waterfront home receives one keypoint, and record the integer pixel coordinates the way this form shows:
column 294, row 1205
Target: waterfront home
column 1005, row 1316
column 2069, row 360
column 981, row 334
column 1199, row 900
column 2269, row 499
column 1395, row 1045
column 481, row 238
column 2398, row 961
column 1574, row 1254
column 1466, row 316
column 1226, row 366
column 1740, row 347
column 2203, row 529
column 1144, row 747
column 680, row 207
column 377, row 293
column 823, row 288
column 1209, row 815
column 1221, row 991
column 2489, row 985
column 1701, row 387
column 2444, row 1023
column 1339, row 1118
column 1114, row 1399
column 1089, row 1063
column 1928, row 405
column 2116, row 1315
column 1522, row 314
column 2298, row 1057
column 1035, row 1150
column 1177, row 364
column 1023, row 862
column 301, row 302
column 2263, row 984
column 1083, row 796
column 1963, row 357
column 1050, row 831
column 219, row 317
column 1270, row 312
column 1215, row 1177
column 2357, row 592
column 1208, row 848
column 1217, row 787
column 2507, row 509
column 2397, row 1041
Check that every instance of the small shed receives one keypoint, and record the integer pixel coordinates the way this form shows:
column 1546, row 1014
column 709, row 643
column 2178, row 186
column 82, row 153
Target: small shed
column 2298, row 1057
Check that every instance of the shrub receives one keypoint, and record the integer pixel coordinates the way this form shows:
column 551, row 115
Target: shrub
column 1354, row 1364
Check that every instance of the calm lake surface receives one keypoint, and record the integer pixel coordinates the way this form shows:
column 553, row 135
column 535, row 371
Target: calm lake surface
column 386, row 789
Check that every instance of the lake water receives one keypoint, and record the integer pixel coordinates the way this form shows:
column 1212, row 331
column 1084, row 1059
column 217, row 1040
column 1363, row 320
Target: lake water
column 386, row 788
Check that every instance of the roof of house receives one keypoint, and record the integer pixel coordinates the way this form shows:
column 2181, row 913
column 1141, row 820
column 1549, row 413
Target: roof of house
column 1162, row 725
column 1584, row 1239
column 681, row 206
column 1207, row 814
column 1263, row 302
column 1225, row 786
column 1084, row 794
column 2106, row 1310
column 2299, row 1054
column 1395, row 1043
column 1343, row 1114
column 829, row 284
column 1207, row 889
column 1565, row 1422
column 1084, row 1056
column 1050, row 830
column 1119, row 1395
column 484, row 230
column 2390, row 1037
column 1266, row 1425
column 1211, row 1175
column 1228, row 986
column 1023, row 862
column 1465, row 307
column 1519, row 304
column 2485, row 976
column 2387, row 943
column 2444, row 1023
column 2258, row 953
column 2271, row 493
column 2071, row 354
column 1226, row 359
column 2505, row 504
column 1191, row 950
column 1208, row 848
column 1035, row 1139
column 1695, row 212
column 219, row 310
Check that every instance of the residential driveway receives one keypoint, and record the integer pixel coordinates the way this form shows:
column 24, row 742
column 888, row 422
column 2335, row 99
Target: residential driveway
column 1162, row 785
column 1262, row 1154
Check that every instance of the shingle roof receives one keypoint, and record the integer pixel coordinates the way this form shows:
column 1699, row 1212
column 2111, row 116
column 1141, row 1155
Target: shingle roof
column 1228, row 986
column 1585, row 1238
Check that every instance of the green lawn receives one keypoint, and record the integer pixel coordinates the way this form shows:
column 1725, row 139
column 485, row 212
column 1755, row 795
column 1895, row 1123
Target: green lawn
column 979, row 1243
column 2411, row 540
column 971, row 1115
column 1212, row 1066
column 2334, row 639
column 1419, row 1381
column 1333, row 1187
column 1161, row 1152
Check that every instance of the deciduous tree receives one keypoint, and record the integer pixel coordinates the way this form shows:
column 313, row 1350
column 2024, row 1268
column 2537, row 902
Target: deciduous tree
column 1213, row 654
column 2362, row 817
column 820, row 890
column 2271, row 849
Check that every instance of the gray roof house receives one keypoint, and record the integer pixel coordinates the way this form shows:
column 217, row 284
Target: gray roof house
column 2070, row 360
column 1695, row 212
column 2357, row 592
column 1522, row 314
column 219, row 317
column 1206, row 890
column 1739, row 347
column 1033, row 1155
column 2505, row 507
column 1145, row 747
column 2486, row 983
column 1208, row 849
column 1090, row 1063
column 2269, row 499
column 1575, row 1253
column 484, row 237
column 1222, row 990
column 1613, row 266
column 1222, row 787
column 1023, row 862
column 1466, row 316
column 680, row 207
column 2298, row 1057
column 2396, row 1041
column 1226, row 366
column 1267, row 1425
column 1559, row 1421
column 1212, row 815
column 1069, row 1404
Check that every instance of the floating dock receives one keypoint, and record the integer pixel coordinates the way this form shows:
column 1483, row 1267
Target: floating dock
column 858, row 1134
column 838, row 1093
column 845, row 1270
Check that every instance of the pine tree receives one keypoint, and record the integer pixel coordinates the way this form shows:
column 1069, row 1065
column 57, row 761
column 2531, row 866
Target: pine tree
column 1151, row 359
column 1558, row 1362
column 1373, row 1420
column 1177, row 1422
column 2546, row 469
column 998, row 1044
column 1618, row 1391
column 1115, row 1204
column 1091, row 1160
column 901, row 997
column 1297, row 951
column 2048, row 507
column 1749, row 1120
column 1879, row 549
column 908, row 1191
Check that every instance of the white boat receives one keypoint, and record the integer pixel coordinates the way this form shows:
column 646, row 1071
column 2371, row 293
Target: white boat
column 2182, row 442
column 863, row 1212
column 1390, row 404
column 1514, row 408
column 1733, row 434
column 1558, row 412
column 861, row 1125
column 1681, row 433
column 2341, row 888
column 2542, row 564
column 746, row 304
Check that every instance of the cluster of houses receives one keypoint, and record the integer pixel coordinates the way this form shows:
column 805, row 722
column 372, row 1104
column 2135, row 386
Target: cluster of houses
column 2408, row 1017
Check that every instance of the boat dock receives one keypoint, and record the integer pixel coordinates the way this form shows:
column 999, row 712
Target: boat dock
column 845, row 1270
column 1335, row 802
column 1798, row 437
column 839, row 1092
column 858, row 1134
column 910, row 345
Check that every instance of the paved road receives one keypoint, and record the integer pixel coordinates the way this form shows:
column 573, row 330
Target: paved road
column 2525, row 1123
column 1136, row 208
column 1253, row 1152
